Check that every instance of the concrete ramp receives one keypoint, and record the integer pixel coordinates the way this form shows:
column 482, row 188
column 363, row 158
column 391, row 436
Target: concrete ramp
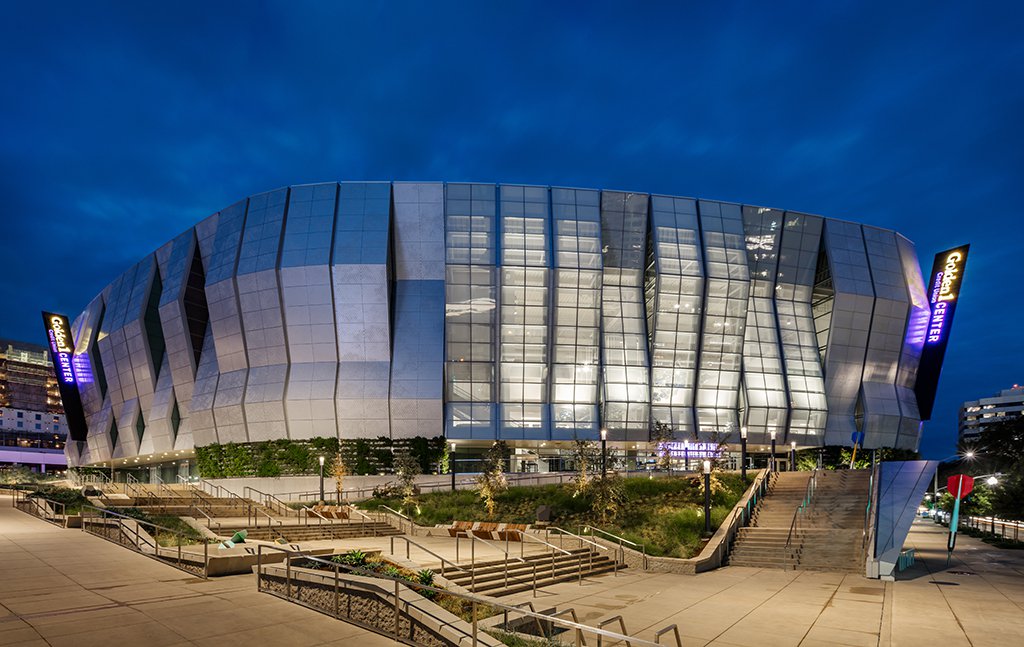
column 901, row 486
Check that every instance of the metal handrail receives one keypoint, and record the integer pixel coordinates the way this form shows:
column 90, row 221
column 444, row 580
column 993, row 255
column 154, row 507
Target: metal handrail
column 661, row 632
column 580, row 640
column 472, row 557
column 523, row 534
column 364, row 518
column 270, row 501
column 209, row 519
column 562, row 531
column 797, row 514
column 409, row 542
column 412, row 524
column 621, row 540
column 107, row 515
column 473, row 600
column 608, row 621
column 58, row 518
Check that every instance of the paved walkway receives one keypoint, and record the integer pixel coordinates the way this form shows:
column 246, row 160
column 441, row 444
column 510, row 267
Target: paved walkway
column 65, row 587
column 929, row 606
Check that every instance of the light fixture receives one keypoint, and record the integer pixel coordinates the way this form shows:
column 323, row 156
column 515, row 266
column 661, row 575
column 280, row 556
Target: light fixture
column 707, row 467
column 992, row 480
column 321, row 461
column 604, row 434
column 793, row 445
column 743, row 432
column 773, row 434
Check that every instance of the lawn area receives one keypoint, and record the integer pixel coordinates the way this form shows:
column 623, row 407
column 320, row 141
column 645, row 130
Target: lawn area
column 665, row 514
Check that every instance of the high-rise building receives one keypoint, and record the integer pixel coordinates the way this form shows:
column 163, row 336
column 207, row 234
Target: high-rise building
column 32, row 424
column 976, row 415
column 479, row 312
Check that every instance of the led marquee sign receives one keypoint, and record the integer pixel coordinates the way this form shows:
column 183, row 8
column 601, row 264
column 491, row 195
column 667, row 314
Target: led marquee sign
column 62, row 352
column 691, row 451
column 943, row 293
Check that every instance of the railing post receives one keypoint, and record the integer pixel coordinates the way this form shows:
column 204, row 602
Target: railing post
column 397, row 599
column 288, row 576
column 473, row 611
column 336, row 567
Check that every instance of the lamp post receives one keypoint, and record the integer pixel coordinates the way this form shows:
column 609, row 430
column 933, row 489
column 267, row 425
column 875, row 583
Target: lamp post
column 451, row 464
column 322, row 480
column 743, row 453
column 792, row 455
column 707, row 498
column 604, row 453
column 771, row 467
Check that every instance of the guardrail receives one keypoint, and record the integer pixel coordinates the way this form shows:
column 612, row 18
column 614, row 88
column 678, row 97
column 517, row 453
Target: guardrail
column 409, row 542
column 402, row 521
column 802, row 508
column 342, row 582
column 562, row 533
column 270, row 501
column 621, row 540
column 994, row 524
column 112, row 527
column 48, row 510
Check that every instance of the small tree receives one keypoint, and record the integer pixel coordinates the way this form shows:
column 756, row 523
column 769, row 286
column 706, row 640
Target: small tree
column 492, row 481
column 339, row 472
column 444, row 466
column 661, row 435
column 609, row 495
column 407, row 468
column 585, row 456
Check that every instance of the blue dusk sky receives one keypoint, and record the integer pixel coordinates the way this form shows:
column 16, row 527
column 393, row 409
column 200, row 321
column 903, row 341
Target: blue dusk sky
column 124, row 123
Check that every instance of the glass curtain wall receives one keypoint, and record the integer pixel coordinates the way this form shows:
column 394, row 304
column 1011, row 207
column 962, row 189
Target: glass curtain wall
column 576, row 322
column 764, row 384
column 727, row 290
column 798, row 259
column 675, row 288
column 525, row 258
column 624, row 334
column 470, row 310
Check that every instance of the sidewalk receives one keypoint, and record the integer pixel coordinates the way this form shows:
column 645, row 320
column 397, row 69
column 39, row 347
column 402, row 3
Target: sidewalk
column 65, row 587
column 737, row 606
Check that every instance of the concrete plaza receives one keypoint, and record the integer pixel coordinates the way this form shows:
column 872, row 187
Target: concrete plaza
column 66, row 587
column 978, row 600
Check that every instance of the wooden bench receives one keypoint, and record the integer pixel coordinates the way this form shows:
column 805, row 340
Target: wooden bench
column 488, row 530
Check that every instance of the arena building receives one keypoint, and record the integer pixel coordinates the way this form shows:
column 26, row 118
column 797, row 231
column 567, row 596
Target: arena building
column 524, row 313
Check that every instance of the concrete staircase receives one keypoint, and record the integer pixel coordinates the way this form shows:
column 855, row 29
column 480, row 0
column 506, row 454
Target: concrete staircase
column 489, row 577
column 295, row 534
column 829, row 532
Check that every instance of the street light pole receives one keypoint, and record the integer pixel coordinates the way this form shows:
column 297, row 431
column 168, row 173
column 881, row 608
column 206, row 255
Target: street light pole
column 322, row 480
column 707, row 498
column 604, row 453
column 792, row 456
column 772, row 465
column 743, row 453
column 451, row 464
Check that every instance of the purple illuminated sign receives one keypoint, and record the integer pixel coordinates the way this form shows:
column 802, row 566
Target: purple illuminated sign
column 62, row 352
column 691, row 451
column 943, row 293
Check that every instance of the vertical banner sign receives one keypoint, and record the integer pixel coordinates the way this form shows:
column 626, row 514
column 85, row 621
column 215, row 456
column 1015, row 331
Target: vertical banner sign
column 943, row 293
column 62, row 352
column 962, row 485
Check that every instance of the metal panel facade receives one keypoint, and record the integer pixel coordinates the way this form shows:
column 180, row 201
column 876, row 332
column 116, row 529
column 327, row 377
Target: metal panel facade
column 483, row 312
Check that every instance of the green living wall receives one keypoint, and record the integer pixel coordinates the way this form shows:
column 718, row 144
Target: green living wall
column 301, row 457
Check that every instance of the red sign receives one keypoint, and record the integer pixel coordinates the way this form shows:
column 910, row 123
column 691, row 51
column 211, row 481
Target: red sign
column 960, row 483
